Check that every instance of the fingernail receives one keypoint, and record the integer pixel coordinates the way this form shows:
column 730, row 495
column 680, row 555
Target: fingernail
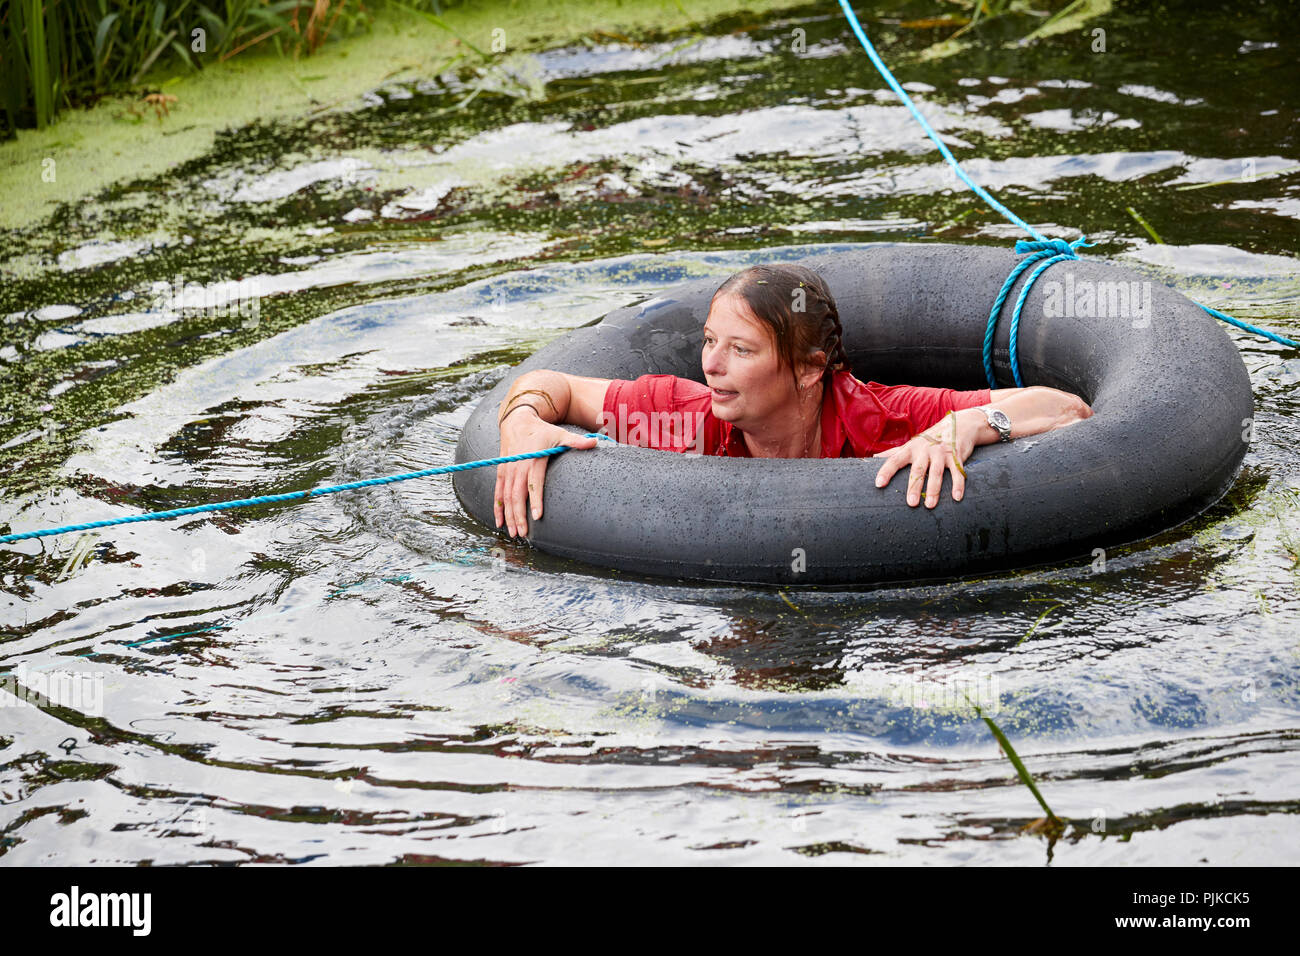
column 536, row 514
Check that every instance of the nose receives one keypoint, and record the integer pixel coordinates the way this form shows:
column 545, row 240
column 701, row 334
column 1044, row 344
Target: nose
column 711, row 359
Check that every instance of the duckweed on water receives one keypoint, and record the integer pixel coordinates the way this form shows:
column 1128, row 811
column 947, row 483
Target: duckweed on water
column 300, row 673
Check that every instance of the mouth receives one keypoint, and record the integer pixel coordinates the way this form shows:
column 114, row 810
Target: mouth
column 722, row 394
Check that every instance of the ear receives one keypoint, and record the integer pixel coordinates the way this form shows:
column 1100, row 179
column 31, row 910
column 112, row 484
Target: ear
column 813, row 369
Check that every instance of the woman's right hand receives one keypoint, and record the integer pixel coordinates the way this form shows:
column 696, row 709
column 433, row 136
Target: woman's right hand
column 519, row 482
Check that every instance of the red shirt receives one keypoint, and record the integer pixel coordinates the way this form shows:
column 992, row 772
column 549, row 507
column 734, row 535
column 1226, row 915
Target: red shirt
column 859, row 419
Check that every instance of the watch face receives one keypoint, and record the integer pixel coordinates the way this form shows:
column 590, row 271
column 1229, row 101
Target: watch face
column 1000, row 419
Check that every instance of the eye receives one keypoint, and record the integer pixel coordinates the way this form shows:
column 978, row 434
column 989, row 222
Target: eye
column 741, row 350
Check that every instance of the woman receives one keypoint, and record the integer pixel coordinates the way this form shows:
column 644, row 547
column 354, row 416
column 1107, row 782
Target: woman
column 778, row 386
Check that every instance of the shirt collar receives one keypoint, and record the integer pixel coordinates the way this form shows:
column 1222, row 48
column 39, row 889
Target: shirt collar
column 833, row 432
column 861, row 421
column 854, row 423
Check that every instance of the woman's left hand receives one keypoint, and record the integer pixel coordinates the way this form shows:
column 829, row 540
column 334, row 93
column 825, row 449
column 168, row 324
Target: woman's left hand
column 945, row 445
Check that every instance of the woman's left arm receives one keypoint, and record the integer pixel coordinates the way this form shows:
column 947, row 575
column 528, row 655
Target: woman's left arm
column 950, row 441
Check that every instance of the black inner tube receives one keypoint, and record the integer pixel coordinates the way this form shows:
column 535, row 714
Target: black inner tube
column 1171, row 398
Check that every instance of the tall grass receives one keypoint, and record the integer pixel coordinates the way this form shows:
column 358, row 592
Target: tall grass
column 55, row 54
column 1050, row 824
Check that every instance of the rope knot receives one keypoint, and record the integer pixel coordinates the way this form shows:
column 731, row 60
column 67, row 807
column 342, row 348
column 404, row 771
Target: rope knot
column 1045, row 252
column 1057, row 247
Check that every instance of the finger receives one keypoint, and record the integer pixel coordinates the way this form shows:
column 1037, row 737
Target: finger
column 507, row 506
column 937, row 461
column 579, row 441
column 498, row 512
column 893, row 461
column 519, row 500
column 536, row 479
column 915, row 477
column 507, row 509
column 958, row 484
column 511, row 500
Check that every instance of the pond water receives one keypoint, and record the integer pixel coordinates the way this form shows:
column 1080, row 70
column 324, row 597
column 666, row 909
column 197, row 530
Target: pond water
column 374, row 678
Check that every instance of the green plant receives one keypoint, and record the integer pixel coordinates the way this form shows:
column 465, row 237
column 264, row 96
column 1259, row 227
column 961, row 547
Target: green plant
column 58, row 53
column 1050, row 824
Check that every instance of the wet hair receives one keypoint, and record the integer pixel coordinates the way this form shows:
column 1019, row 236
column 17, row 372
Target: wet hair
column 774, row 294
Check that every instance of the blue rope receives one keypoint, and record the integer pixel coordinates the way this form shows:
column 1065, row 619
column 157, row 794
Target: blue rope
column 1051, row 250
column 1045, row 251
column 141, row 643
column 907, row 101
column 292, row 495
column 1224, row 317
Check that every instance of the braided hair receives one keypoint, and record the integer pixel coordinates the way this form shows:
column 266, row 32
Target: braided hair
column 797, row 307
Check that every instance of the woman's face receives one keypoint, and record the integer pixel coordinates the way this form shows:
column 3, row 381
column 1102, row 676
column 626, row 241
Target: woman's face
column 741, row 365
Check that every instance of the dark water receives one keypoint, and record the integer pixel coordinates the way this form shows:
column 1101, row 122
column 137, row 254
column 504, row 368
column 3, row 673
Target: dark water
column 373, row 678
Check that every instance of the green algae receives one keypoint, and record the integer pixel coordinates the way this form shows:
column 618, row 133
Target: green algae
column 94, row 148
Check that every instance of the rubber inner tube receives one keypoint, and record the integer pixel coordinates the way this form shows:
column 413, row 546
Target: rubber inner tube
column 1172, row 409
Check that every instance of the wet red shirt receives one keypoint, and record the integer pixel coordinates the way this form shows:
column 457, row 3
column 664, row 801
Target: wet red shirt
column 859, row 419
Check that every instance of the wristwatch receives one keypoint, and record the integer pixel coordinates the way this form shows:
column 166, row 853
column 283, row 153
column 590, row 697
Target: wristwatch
column 998, row 420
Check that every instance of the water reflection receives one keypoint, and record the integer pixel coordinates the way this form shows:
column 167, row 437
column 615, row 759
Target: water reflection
column 375, row 678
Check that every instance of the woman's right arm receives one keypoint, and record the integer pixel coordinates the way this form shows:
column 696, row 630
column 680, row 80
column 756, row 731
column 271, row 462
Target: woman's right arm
column 551, row 398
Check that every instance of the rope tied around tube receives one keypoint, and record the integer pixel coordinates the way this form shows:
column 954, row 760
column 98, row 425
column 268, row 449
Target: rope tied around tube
column 1047, row 252
column 1041, row 249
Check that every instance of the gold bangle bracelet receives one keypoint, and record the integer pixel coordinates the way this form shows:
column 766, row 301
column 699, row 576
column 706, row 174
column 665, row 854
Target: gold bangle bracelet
column 515, row 407
column 534, row 391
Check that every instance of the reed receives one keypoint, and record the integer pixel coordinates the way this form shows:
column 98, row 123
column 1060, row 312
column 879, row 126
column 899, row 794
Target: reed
column 1071, row 15
column 984, row 8
column 1049, row 824
column 55, row 54
column 1138, row 218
